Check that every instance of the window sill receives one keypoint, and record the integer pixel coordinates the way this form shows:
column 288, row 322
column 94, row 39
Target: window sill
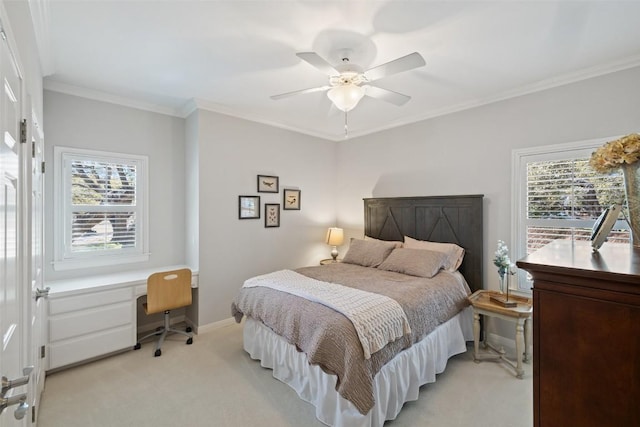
column 77, row 264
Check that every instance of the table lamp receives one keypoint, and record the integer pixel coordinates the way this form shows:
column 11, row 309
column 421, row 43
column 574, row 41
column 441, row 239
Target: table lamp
column 335, row 236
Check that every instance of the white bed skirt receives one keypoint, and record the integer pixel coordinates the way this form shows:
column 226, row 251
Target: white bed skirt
column 396, row 383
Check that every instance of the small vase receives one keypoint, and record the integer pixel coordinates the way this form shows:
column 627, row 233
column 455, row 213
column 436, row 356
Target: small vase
column 631, row 174
column 503, row 283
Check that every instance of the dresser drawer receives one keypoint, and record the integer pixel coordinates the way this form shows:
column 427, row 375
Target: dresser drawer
column 90, row 320
column 88, row 300
column 74, row 350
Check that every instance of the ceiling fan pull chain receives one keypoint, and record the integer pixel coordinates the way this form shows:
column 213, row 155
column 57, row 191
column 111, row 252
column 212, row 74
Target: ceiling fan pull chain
column 346, row 127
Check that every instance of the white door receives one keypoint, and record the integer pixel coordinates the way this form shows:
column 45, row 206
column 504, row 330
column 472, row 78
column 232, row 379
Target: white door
column 36, row 268
column 12, row 323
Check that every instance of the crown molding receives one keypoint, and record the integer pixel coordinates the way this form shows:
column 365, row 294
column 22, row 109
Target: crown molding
column 539, row 86
column 195, row 104
column 97, row 95
column 200, row 104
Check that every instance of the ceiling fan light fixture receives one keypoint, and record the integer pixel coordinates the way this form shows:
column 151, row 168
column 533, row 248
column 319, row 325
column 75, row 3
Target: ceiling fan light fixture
column 346, row 97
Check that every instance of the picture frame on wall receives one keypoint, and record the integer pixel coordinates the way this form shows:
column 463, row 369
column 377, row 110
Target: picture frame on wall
column 268, row 184
column 272, row 215
column 248, row 207
column 291, row 199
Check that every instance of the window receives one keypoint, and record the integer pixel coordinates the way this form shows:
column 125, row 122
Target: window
column 559, row 196
column 100, row 208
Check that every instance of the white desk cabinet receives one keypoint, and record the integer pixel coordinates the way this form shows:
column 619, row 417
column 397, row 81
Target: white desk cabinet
column 93, row 316
column 90, row 324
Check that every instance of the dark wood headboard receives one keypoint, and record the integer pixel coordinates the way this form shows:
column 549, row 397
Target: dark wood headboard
column 447, row 219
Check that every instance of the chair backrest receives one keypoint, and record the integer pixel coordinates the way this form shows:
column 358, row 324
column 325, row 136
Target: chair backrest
column 167, row 290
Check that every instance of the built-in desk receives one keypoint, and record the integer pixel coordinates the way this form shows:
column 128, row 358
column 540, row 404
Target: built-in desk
column 95, row 315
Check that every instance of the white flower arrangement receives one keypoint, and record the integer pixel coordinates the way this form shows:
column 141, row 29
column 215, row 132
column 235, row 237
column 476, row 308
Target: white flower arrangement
column 502, row 260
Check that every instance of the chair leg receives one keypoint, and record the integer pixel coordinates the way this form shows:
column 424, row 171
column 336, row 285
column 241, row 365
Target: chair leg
column 152, row 334
column 162, row 334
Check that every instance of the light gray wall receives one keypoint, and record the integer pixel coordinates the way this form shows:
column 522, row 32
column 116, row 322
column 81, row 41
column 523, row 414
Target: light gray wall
column 192, row 182
column 192, row 206
column 73, row 121
column 211, row 159
column 470, row 152
column 232, row 152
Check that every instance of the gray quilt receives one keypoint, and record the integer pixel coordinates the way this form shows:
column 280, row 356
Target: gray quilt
column 329, row 339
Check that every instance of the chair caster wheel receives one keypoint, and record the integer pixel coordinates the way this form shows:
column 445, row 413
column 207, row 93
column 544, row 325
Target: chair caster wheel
column 190, row 341
column 188, row 329
column 137, row 346
column 157, row 353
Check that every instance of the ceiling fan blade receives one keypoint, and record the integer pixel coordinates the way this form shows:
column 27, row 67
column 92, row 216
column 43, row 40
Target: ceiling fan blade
column 299, row 92
column 318, row 62
column 409, row 62
column 387, row 95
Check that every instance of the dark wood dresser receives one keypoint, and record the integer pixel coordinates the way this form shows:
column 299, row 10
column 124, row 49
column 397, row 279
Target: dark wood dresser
column 586, row 335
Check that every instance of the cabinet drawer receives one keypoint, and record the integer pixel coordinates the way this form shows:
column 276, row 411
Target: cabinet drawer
column 78, row 349
column 89, row 300
column 91, row 320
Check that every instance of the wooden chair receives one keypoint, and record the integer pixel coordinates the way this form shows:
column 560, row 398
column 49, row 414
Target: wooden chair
column 167, row 291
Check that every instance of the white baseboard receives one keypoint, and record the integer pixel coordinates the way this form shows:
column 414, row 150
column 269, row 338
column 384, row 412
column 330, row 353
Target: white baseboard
column 215, row 325
column 508, row 344
column 148, row 327
column 500, row 341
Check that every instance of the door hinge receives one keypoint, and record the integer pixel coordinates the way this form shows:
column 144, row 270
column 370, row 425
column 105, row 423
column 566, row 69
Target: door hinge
column 33, row 149
column 33, row 414
column 43, row 352
column 42, row 167
column 23, row 131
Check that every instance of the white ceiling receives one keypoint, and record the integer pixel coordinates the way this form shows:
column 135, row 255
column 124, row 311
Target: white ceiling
column 230, row 56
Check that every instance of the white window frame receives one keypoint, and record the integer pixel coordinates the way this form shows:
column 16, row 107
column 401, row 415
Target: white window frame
column 64, row 259
column 519, row 160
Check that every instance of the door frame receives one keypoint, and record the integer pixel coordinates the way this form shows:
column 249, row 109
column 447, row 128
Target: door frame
column 32, row 314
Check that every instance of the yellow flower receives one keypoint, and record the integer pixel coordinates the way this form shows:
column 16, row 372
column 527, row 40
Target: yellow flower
column 613, row 154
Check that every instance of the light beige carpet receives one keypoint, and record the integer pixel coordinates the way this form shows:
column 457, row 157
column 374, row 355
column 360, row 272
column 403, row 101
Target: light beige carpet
column 214, row 383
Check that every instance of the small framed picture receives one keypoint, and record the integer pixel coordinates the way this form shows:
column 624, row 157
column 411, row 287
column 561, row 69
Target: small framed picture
column 291, row 200
column 272, row 214
column 248, row 207
column 268, row 184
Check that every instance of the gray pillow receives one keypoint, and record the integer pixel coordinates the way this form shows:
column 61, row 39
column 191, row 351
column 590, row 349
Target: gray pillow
column 414, row 262
column 455, row 253
column 368, row 253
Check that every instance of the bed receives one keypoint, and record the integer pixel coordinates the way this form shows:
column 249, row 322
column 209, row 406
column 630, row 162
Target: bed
column 314, row 348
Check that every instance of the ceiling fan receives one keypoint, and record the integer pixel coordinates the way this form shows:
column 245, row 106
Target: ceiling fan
column 348, row 83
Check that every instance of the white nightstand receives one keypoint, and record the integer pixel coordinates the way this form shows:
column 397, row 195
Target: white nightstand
column 520, row 315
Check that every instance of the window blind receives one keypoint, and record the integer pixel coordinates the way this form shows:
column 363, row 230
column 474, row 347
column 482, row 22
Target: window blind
column 565, row 197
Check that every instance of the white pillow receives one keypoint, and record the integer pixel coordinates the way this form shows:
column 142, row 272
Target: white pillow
column 455, row 254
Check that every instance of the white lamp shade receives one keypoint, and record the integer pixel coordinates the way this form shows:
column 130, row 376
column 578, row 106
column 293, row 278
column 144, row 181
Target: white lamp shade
column 335, row 236
column 346, row 97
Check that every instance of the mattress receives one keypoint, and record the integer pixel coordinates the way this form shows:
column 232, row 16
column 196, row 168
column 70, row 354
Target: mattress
column 330, row 340
column 397, row 382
